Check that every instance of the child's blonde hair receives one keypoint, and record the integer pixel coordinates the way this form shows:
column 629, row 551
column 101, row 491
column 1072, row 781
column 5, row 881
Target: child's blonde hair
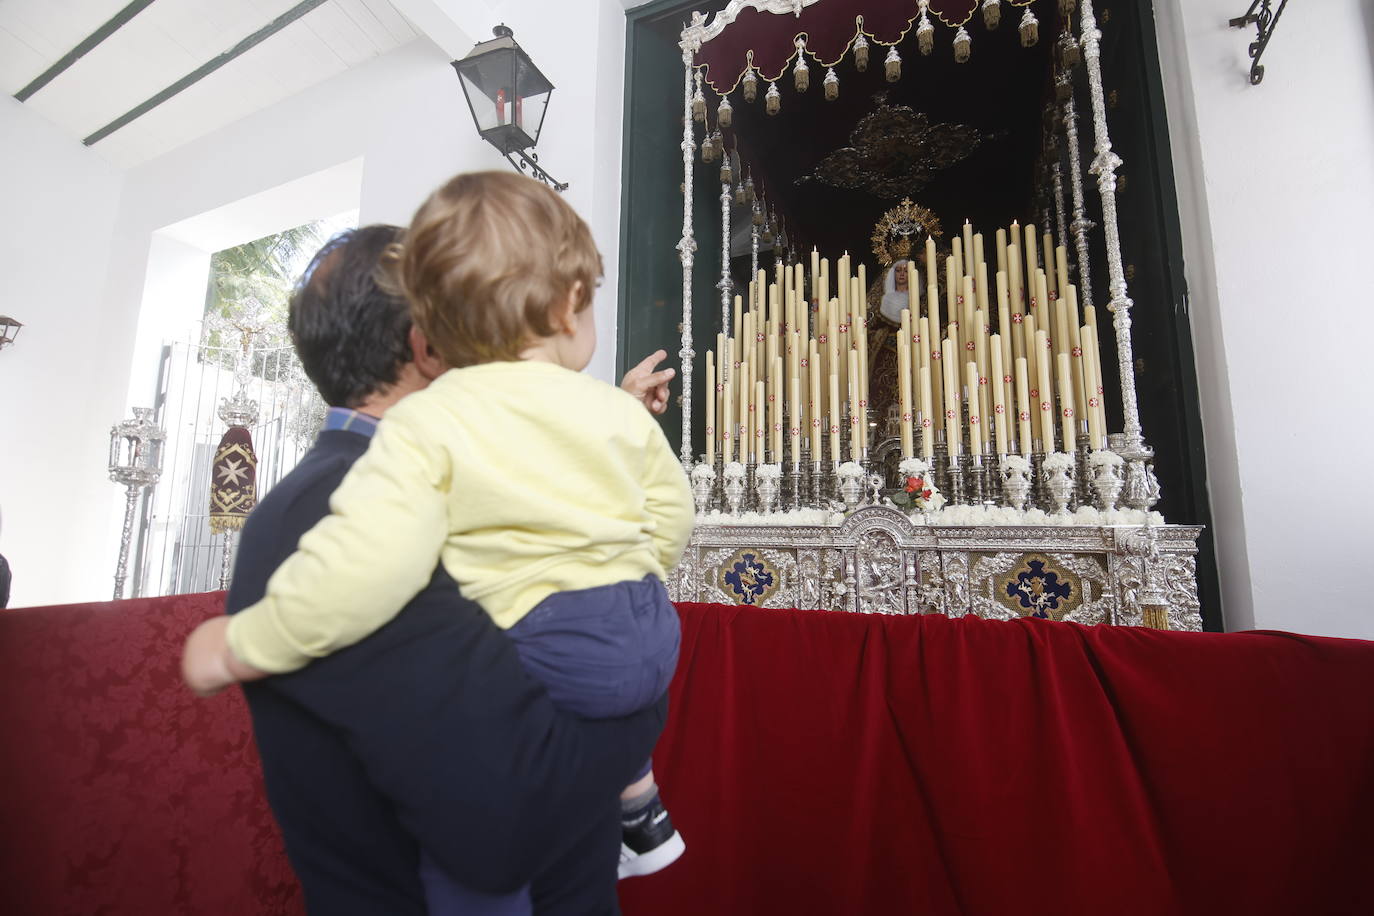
column 486, row 259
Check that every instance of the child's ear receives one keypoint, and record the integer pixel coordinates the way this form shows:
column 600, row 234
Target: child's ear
column 565, row 313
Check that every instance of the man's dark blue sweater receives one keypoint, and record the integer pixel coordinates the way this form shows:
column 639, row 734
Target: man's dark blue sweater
column 427, row 733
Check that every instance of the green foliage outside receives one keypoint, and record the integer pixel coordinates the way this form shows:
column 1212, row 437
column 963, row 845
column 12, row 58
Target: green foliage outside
column 250, row 285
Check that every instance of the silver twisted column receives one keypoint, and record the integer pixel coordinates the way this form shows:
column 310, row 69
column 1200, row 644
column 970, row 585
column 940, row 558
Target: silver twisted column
column 686, row 249
column 726, row 285
column 1081, row 225
column 1139, row 476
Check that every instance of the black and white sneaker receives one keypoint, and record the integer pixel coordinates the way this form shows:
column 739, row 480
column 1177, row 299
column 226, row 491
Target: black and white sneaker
column 649, row 842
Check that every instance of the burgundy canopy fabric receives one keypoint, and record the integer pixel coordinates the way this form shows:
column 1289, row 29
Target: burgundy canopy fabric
column 818, row 764
column 829, row 28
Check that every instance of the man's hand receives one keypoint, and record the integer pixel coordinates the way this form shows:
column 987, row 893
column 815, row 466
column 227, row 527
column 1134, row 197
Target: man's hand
column 208, row 665
column 648, row 386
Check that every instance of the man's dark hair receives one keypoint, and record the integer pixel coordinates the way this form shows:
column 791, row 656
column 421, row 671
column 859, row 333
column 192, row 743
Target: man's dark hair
column 351, row 328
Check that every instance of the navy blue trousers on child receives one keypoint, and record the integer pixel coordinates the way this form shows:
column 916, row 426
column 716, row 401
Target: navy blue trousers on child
column 601, row 653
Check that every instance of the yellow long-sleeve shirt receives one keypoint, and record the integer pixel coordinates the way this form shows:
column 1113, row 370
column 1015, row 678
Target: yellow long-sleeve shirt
column 523, row 478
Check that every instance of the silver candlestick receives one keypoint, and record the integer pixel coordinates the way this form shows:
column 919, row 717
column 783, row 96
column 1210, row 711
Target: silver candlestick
column 135, row 463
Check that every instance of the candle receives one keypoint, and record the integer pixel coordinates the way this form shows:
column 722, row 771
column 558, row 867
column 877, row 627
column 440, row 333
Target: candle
column 1068, row 428
column 1076, row 350
column 975, row 426
column 999, row 400
column 1090, row 405
column 913, row 289
column 956, row 254
column 779, row 391
column 1033, row 357
column 814, row 411
column 710, row 408
column 1042, row 366
column 1017, row 299
column 1006, row 333
column 981, row 287
column 932, row 337
column 928, row 423
column 1061, row 266
column 1047, row 249
column 1001, row 251
column 952, row 437
column 832, row 346
column 968, row 259
column 794, row 428
column 760, row 436
column 823, row 294
column 1043, row 316
column 1032, row 256
column 1096, row 391
column 1023, row 413
column 744, row 432
column 834, row 417
column 980, row 390
column 727, row 419
column 968, row 328
column 842, row 288
column 854, row 414
column 815, row 265
column 739, row 303
column 904, row 385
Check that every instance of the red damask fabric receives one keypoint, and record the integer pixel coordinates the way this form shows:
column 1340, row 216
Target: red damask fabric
column 120, row 792
column 817, row 763
column 823, row 764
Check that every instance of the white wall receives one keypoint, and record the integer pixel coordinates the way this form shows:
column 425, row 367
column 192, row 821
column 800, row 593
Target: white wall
column 59, row 202
column 1276, row 188
column 402, row 114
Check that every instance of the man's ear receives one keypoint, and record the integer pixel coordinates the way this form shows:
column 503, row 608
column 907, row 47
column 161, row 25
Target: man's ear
column 429, row 363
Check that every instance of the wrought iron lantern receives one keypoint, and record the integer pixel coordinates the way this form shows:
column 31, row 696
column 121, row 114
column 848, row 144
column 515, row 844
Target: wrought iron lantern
column 508, row 97
column 9, row 330
column 135, row 463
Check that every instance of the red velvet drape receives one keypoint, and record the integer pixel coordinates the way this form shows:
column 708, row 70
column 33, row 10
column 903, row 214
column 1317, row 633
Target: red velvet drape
column 822, row 763
column 816, row 763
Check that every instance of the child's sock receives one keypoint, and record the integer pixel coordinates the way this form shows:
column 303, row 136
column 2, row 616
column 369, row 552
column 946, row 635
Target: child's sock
column 633, row 810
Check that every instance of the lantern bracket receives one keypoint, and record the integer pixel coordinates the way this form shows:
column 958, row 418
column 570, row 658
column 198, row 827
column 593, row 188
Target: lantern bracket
column 1265, row 21
column 530, row 162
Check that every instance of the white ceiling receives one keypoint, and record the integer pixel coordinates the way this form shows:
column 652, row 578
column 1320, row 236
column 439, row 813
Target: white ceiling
column 167, row 41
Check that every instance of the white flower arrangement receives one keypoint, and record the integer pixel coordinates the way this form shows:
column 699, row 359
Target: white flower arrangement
column 913, row 467
column 851, row 469
column 1058, row 461
column 703, row 471
column 813, row 518
column 768, row 471
column 1086, row 517
column 1103, row 457
column 734, row 469
column 1015, row 462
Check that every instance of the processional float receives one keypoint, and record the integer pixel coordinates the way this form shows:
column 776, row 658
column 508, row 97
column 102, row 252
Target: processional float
column 989, row 484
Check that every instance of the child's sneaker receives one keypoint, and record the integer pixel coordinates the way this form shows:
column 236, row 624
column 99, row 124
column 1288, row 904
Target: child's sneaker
column 649, row 841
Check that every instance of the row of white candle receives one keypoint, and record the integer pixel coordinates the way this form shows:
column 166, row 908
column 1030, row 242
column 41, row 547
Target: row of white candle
column 784, row 368
column 1040, row 364
column 787, row 368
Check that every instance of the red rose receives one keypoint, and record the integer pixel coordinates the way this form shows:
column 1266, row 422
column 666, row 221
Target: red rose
column 925, row 495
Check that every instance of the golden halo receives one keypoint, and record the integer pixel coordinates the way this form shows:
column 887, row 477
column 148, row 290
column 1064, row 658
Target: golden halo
column 895, row 235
